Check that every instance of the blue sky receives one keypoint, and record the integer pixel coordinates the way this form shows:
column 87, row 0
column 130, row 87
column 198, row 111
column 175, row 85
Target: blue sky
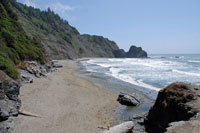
column 158, row 26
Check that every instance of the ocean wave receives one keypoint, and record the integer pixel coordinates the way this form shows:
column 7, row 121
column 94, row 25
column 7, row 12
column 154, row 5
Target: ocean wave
column 152, row 64
column 186, row 73
column 194, row 61
column 162, row 71
column 124, row 77
column 104, row 63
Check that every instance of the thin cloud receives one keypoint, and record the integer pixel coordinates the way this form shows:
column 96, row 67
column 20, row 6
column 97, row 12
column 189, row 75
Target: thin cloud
column 63, row 10
column 60, row 8
column 29, row 3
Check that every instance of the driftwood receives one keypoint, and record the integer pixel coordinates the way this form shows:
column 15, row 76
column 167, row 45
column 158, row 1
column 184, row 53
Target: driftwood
column 125, row 127
column 107, row 128
column 22, row 112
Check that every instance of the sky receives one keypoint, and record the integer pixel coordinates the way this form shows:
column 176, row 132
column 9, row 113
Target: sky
column 158, row 26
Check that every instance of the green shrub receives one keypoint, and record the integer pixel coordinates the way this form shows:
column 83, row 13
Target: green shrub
column 8, row 66
column 15, row 45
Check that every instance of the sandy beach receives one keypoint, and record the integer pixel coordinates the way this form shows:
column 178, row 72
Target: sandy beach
column 66, row 102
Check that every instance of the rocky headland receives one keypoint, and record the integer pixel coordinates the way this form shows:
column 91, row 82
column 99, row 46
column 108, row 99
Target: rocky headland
column 134, row 52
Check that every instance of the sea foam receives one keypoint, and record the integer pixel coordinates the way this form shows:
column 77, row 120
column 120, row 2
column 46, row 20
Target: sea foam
column 151, row 73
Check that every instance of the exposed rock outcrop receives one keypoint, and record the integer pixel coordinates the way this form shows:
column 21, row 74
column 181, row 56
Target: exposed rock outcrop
column 30, row 69
column 192, row 126
column 139, row 118
column 128, row 99
column 120, row 53
column 176, row 103
column 9, row 101
column 134, row 52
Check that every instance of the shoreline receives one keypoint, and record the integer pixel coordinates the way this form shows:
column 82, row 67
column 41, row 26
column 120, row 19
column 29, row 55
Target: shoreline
column 66, row 101
column 116, row 86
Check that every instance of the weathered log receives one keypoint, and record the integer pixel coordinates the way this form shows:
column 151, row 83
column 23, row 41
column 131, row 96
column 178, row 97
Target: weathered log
column 125, row 127
column 22, row 112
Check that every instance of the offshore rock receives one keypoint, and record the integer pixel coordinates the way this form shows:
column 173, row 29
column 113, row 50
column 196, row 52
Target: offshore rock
column 136, row 52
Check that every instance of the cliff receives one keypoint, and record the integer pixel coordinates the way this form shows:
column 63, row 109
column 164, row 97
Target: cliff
column 59, row 39
column 27, row 33
column 15, row 45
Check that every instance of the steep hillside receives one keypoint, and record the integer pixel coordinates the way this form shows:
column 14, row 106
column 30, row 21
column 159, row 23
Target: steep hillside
column 59, row 39
column 15, row 45
column 27, row 33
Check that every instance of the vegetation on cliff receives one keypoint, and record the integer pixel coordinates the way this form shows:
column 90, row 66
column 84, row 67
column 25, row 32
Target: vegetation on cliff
column 59, row 39
column 28, row 33
column 15, row 45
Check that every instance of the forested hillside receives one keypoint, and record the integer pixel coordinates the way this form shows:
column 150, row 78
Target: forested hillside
column 15, row 45
column 27, row 33
column 59, row 39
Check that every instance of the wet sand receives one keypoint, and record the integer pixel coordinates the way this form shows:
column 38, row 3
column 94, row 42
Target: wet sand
column 67, row 103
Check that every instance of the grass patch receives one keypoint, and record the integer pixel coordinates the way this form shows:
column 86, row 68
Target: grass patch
column 15, row 45
column 8, row 66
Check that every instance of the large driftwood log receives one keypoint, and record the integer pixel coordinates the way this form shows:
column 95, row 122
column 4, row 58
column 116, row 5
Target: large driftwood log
column 125, row 127
column 25, row 113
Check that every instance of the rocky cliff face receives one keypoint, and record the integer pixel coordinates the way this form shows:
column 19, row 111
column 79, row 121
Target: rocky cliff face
column 134, row 52
column 9, row 101
column 178, row 102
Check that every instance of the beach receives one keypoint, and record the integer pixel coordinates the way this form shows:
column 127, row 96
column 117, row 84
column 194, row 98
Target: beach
column 65, row 102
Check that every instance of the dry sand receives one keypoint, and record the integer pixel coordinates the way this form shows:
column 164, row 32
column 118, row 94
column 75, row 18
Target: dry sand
column 66, row 102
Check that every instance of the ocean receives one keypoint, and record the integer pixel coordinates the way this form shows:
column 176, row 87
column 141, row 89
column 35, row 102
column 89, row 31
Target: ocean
column 149, row 75
column 144, row 77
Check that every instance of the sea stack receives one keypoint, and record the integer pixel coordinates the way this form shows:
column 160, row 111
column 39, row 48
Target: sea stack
column 134, row 52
